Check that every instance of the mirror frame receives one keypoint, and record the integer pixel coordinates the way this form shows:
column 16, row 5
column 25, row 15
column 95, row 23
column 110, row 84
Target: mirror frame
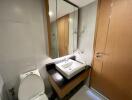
column 49, row 27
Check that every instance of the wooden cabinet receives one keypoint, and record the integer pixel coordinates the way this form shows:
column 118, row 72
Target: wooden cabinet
column 112, row 69
column 69, row 86
column 63, row 86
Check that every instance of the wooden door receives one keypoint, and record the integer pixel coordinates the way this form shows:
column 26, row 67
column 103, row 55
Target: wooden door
column 103, row 19
column 63, row 35
column 115, row 76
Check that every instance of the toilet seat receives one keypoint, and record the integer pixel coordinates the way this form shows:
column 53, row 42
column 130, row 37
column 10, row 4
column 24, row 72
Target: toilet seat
column 30, row 87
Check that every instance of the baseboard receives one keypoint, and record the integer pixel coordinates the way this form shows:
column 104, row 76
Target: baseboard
column 99, row 94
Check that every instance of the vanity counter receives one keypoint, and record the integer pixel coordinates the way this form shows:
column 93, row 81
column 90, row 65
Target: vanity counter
column 62, row 85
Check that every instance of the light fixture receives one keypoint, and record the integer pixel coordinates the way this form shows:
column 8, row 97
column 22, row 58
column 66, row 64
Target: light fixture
column 50, row 13
column 70, row 20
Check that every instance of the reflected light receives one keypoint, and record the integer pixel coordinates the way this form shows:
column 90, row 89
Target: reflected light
column 50, row 13
column 70, row 19
column 58, row 76
column 91, row 94
column 18, row 10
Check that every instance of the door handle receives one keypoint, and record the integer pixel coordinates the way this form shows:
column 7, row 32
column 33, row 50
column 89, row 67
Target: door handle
column 99, row 54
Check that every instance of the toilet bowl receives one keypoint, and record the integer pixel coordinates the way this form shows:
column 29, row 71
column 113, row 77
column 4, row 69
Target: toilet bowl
column 31, row 87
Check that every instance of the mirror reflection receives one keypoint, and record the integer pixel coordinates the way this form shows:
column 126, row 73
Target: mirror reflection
column 63, row 27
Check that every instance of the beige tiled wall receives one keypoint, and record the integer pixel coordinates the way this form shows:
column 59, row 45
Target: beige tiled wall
column 22, row 38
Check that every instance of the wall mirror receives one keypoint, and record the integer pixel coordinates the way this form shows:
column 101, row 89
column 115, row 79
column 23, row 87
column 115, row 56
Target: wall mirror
column 63, row 19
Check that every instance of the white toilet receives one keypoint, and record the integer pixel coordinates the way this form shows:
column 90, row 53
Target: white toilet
column 31, row 87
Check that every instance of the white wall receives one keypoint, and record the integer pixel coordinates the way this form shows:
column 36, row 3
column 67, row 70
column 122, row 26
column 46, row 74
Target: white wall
column 87, row 21
column 22, row 38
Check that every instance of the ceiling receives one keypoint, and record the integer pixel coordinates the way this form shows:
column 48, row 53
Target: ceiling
column 64, row 8
column 81, row 3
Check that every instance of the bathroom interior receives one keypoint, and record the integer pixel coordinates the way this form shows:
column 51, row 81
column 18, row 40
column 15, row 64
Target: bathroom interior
column 65, row 50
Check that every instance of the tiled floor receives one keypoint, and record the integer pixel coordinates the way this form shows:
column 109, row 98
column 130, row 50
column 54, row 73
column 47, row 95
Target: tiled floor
column 86, row 94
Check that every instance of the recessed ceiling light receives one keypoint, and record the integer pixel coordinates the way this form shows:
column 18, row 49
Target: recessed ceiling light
column 50, row 13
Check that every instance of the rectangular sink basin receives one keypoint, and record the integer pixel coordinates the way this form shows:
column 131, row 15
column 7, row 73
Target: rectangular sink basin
column 70, row 68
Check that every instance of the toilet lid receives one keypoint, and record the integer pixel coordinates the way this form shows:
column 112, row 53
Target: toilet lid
column 30, row 86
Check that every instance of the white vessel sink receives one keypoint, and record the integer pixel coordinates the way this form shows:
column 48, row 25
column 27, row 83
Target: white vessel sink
column 70, row 68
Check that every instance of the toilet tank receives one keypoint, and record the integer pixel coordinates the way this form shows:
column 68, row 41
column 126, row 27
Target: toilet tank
column 36, row 72
column 1, row 88
column 3, row 94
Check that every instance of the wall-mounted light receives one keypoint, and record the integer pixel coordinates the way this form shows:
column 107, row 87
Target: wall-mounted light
column 70, row 20
column 50, row 13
